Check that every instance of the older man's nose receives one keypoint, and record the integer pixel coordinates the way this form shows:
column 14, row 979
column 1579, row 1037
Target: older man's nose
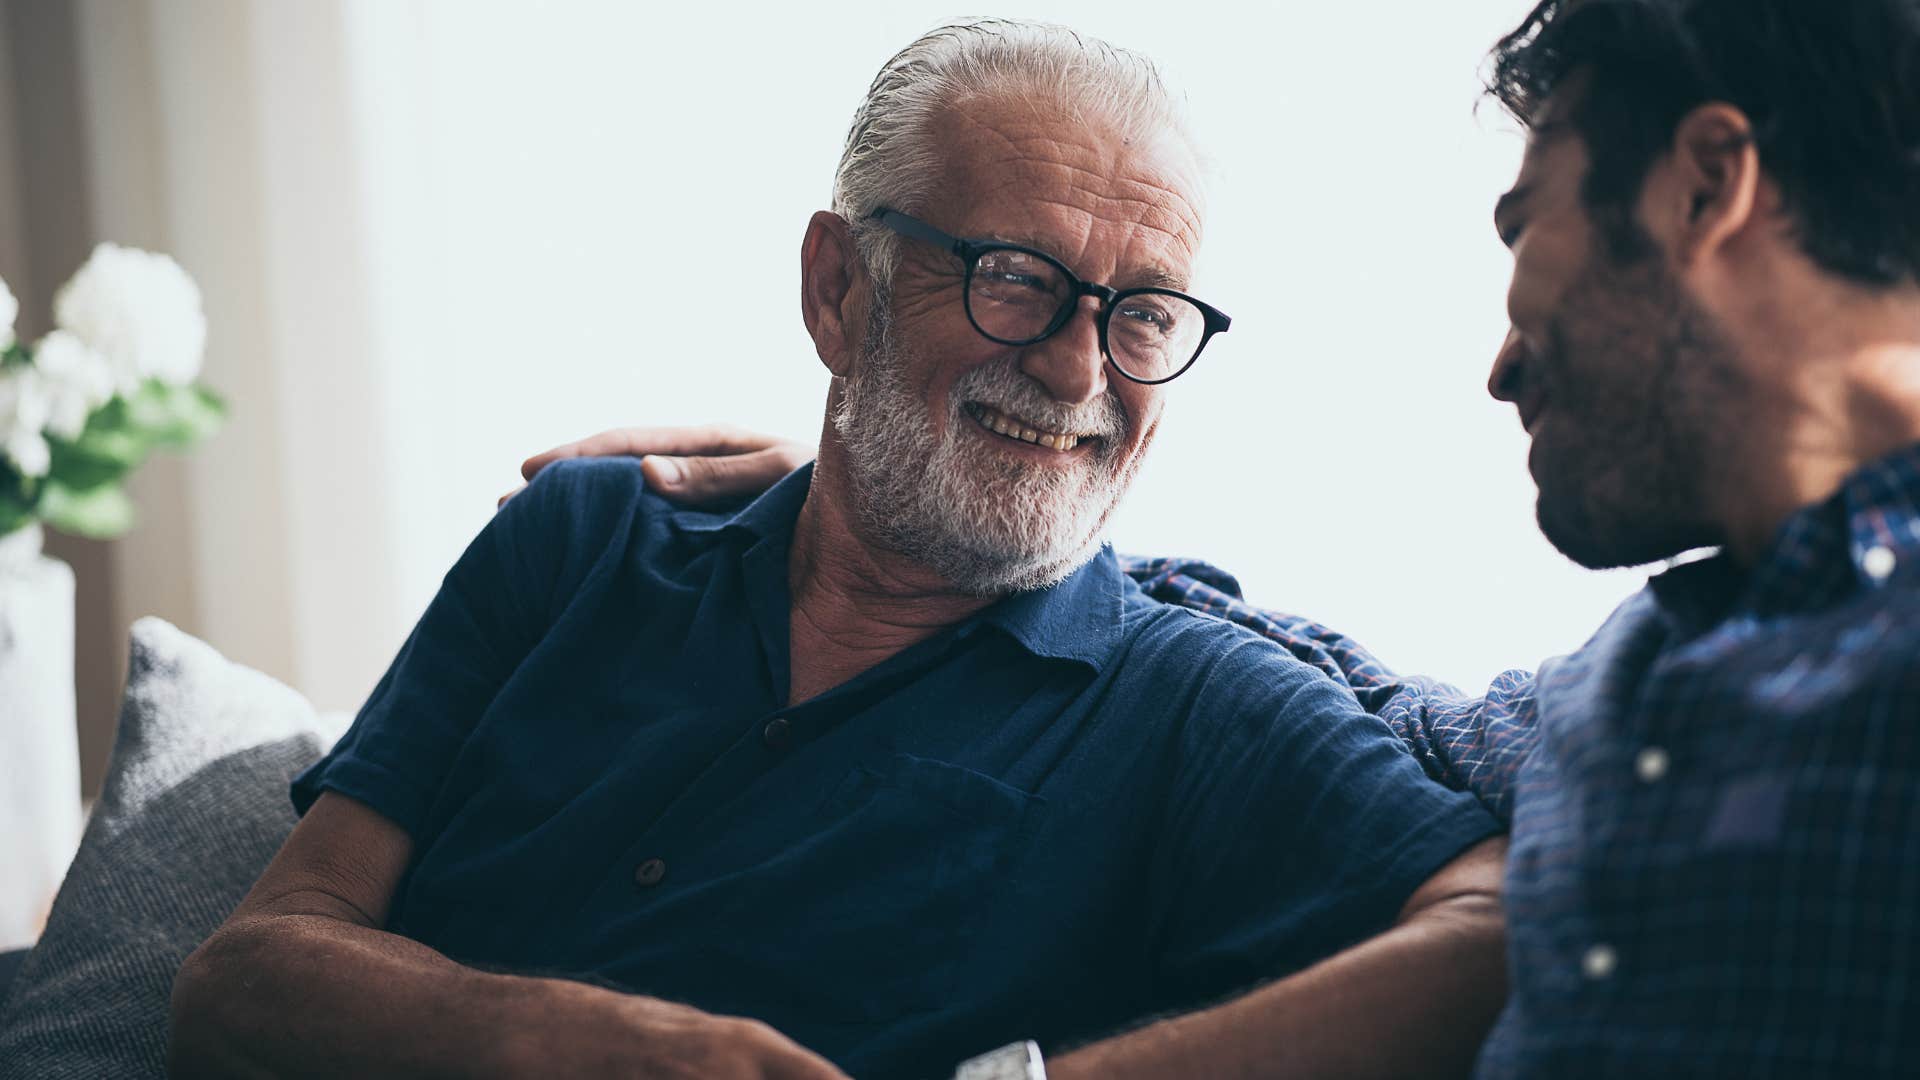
column 1508, row 379
column 1069, row 363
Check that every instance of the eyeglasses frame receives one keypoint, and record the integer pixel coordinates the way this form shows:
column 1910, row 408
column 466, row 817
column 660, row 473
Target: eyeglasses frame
column 969, row 251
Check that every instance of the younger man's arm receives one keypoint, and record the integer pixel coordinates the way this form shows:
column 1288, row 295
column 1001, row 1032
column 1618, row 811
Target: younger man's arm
column 1414, row 1001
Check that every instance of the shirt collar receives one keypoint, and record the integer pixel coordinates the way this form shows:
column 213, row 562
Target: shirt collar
column 771, row 514
column 1866, row 535
column 1077, row 619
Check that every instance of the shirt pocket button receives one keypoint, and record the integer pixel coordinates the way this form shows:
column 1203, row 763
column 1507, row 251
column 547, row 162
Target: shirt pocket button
column 778, row 734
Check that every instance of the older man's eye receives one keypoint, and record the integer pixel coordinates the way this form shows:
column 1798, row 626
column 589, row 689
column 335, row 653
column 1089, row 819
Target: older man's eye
column 1017, row 282
column 1014, row 270
column 1012, row 279
column 1148, row 313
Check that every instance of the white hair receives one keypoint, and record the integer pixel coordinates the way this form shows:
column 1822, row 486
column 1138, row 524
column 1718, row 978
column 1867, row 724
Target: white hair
column 890, row 157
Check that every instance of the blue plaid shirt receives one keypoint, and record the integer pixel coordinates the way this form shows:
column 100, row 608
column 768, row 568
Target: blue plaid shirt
column 1715, row 803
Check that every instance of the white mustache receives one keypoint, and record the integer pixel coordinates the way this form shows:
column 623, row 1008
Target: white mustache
column 1002, row 386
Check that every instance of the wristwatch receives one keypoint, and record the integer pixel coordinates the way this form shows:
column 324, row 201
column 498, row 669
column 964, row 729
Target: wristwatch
column 1014, row 1061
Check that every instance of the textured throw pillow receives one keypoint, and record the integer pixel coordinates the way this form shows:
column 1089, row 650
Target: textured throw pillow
column 194, row 805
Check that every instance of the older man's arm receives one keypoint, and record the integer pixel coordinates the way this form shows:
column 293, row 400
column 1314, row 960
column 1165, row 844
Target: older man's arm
column 302, row 981
column 1415, row 1001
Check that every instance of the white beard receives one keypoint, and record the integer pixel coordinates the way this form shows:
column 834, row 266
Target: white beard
column 987, row 522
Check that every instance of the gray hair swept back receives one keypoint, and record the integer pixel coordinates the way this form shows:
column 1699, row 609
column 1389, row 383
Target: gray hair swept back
column 890, row 158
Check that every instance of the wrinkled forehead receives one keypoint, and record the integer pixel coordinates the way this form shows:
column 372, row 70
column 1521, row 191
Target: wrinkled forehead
column 1070, row 181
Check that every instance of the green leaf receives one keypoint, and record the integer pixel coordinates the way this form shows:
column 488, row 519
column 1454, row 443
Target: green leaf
column 101, row 513
column 115, row 446
column 173, row 416
column 14, row 512
column 101, row 455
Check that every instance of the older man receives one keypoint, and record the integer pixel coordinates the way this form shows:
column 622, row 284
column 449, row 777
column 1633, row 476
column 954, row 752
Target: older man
column 1715, row 804
column 895, row 764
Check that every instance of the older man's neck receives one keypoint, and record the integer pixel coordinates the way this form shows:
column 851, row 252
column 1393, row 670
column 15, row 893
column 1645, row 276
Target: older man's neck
column 854, row 606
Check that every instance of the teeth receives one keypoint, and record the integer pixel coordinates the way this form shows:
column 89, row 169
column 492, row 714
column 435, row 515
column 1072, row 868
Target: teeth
column 1000, row 424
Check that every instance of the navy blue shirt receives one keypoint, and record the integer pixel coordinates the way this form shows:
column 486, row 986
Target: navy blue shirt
column 1075, row 809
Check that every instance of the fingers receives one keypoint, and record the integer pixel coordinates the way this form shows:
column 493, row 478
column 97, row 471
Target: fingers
column 782, row 1058
column 704, row 440
column 502, row 501
column 605, row 444
column 715, row 479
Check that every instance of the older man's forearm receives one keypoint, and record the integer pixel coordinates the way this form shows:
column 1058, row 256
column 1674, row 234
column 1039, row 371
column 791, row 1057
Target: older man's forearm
column 311, row 996
column 1414, row 1001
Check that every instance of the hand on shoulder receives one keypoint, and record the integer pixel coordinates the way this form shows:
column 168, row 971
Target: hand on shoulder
column 689, row 465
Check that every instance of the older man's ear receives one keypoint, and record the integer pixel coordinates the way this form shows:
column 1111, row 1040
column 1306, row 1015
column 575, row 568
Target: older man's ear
column 711, row 463
column 833, row 290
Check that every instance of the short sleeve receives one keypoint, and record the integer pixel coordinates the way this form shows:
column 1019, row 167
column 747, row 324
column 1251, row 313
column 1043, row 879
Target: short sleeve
column 492, row 608
column 1296, row 825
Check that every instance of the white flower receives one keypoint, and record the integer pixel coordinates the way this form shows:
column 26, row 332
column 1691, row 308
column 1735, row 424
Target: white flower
column 25, row 406
column 140, row 312
column 9, row 310
column 30, row 454
column 77, row 381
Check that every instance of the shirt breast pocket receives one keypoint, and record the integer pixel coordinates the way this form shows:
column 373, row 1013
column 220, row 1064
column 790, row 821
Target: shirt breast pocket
column 1749, row 813
column 892, row 888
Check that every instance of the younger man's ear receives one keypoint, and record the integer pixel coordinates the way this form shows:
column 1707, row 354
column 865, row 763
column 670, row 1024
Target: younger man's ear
column 833, row 288
column 1708, row 184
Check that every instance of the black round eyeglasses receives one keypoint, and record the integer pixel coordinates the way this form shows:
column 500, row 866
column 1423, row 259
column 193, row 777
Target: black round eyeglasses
column 1020, row 296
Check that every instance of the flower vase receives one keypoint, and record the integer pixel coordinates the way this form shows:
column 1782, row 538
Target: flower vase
column 40, row 814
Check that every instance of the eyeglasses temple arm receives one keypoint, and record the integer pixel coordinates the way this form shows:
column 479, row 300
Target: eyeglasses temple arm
column 919, row 230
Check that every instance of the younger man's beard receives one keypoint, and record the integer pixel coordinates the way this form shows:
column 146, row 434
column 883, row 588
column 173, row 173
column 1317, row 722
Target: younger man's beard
column 1649, row 392
column 987, row 522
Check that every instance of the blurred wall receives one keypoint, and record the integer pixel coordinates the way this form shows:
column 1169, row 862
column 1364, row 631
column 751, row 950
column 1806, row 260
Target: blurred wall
column 219, row 132
column 46, row 230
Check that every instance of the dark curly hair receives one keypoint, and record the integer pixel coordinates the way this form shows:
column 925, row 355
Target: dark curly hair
column 1831, row 87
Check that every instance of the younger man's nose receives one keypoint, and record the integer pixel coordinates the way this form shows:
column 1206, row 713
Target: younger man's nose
column 1509, row 369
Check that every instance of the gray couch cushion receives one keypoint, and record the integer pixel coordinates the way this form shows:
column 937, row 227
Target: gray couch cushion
column 194, row 805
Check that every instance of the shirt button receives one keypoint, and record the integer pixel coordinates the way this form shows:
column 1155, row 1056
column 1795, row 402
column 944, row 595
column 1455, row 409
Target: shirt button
column 1599, row 962
column 1878, row 562
column 1651, row 765
column 778, row 733
column 649, row 873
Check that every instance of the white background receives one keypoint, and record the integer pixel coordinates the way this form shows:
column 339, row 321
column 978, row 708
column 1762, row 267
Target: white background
column 586, row 215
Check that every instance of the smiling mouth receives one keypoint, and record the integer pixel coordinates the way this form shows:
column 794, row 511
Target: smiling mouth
column 1014, row 428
